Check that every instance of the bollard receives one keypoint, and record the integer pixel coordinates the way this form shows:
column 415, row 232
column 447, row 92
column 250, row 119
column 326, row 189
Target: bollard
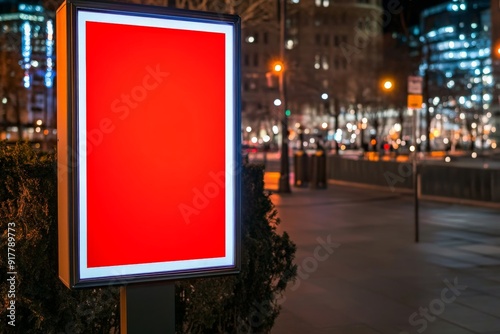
column 318, row 170
column 301, row 169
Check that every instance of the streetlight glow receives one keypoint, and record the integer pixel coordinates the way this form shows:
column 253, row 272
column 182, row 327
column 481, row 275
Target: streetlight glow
column 324, row 96
column 388, row 84
column 277, row 102
column 278, row 67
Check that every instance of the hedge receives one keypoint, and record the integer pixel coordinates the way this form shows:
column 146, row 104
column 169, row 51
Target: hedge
column 243, row 303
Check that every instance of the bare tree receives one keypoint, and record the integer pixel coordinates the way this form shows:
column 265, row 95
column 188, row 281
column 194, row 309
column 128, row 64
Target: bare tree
column 251, row 11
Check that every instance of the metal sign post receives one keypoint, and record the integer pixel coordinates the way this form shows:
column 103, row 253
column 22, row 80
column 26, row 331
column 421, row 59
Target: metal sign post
column 147, row 308
column 415, row 177
column 415, row 102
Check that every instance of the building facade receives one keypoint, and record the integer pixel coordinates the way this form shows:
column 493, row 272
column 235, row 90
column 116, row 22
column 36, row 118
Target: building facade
column 27, row 72
column 457, row 64
column 333, row 61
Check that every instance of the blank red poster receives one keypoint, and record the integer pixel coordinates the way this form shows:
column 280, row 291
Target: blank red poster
column 155, row 108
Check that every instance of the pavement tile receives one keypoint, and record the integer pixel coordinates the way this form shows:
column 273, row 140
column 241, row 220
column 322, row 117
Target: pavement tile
column 378, row 277
column 483, row 249
column 470, row 319
column 351, row 329
column 437, row 326
column 483, row 303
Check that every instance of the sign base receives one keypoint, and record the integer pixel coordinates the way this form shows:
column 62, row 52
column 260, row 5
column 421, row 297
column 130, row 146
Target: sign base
column 147, row 308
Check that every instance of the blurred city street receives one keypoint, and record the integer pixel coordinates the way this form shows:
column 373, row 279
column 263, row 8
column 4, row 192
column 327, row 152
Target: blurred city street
column 360, row 271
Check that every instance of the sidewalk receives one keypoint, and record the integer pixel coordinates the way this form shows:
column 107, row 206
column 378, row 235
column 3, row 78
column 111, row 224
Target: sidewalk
column 360, row 271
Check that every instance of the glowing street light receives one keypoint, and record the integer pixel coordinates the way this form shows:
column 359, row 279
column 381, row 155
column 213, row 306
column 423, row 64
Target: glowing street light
column 388, row 85
column 278, row 66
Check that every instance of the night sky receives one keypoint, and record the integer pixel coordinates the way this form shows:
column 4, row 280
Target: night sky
column 411, row 12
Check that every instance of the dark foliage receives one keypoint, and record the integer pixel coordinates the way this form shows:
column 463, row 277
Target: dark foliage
column 28, row 198
column 244, row 303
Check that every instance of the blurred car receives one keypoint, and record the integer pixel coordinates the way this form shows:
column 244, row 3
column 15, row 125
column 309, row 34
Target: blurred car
column 246, row 149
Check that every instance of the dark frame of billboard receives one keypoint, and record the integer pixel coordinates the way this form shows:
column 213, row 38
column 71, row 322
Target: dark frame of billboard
column 72, row 149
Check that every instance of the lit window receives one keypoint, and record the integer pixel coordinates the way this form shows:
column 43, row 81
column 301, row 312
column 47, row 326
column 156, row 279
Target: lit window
column 317, row 65
column 325, row 63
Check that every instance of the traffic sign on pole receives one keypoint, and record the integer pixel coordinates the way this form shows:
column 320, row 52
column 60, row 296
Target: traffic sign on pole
column 415, row 85
column 415, row 101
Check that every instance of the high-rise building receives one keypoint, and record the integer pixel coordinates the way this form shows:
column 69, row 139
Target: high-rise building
column 27, row 72
column 456, row 39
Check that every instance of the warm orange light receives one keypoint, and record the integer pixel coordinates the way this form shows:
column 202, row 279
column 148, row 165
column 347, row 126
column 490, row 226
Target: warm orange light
column 496, row 49
column 278, row 66
column 388, row 85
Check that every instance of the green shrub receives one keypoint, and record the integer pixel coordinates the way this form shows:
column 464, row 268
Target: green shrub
column 241, row 303
column 245, row 303
column 28, row 198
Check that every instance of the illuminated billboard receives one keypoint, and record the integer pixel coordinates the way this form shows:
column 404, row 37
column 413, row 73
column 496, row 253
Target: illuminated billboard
column 148, row 143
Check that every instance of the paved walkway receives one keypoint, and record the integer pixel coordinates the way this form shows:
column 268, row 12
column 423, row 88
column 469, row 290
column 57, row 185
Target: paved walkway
column 360, row 271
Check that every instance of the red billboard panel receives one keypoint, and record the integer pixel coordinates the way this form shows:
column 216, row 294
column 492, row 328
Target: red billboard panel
column 148, row 147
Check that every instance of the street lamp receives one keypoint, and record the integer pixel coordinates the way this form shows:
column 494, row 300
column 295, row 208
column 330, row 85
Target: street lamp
column 284, row 181
column 388, row 85
column 279, row 69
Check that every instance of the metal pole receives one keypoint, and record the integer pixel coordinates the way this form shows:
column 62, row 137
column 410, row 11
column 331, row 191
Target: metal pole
column 147, row 308
column 284, row 182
